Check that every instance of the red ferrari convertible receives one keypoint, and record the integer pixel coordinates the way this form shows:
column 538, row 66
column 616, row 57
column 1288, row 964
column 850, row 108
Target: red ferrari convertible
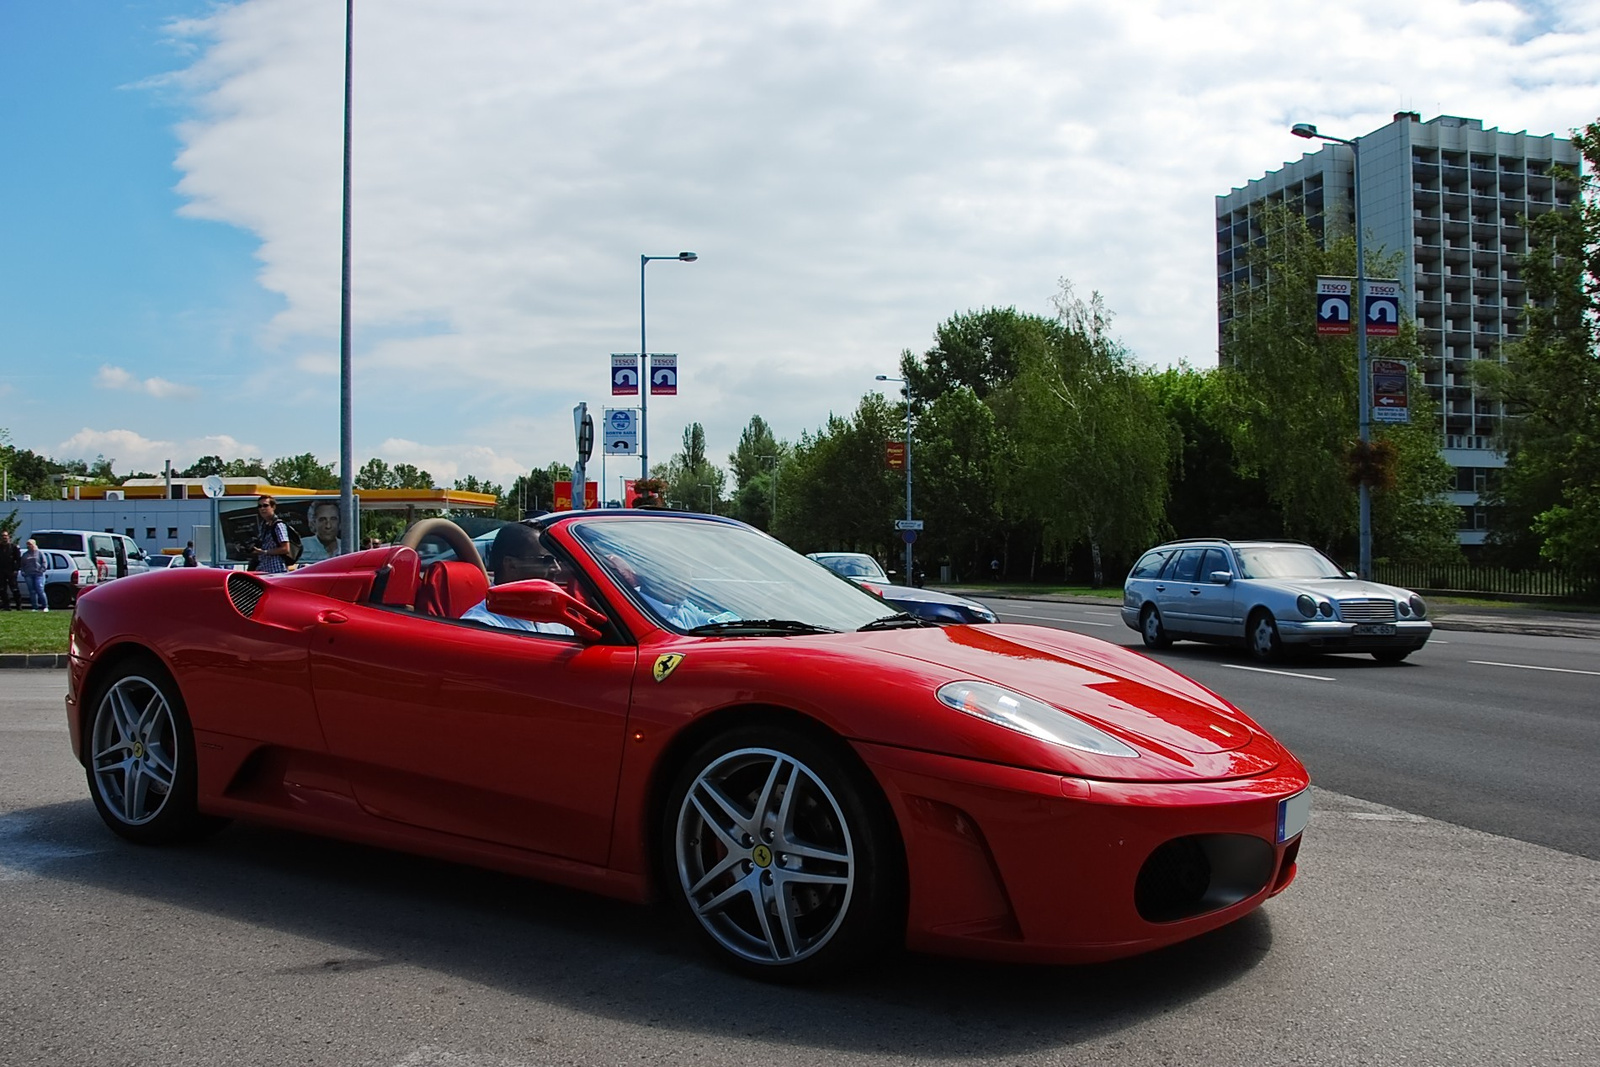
column 648, row 704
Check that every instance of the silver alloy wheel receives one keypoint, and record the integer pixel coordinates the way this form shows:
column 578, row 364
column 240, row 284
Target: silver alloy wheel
column 1265, row 636
column 1152, row 628
column 134, row 754
column 765, row 856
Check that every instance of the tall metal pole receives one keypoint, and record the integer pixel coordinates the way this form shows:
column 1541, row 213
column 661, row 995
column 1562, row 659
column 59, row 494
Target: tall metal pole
column 350, row 518
column 1363, row 391
column 644, row 383
column 909, row 534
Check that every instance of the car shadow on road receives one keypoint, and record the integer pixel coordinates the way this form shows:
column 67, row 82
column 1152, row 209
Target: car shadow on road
column 1238, row 656
column 636, row 965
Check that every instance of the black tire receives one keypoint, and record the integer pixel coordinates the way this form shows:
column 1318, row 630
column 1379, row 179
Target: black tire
column 1392, row 655
column 757, row 905
column 59, row 597
column 141, row 756
column 1261, row 635
column 1150, row 628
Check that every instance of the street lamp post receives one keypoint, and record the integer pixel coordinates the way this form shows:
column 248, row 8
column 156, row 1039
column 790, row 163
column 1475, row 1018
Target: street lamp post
column 907, row 534
column 644, row 365
column 711, row 493
column 774, row 522
column 349, row 514
column 1363, row 409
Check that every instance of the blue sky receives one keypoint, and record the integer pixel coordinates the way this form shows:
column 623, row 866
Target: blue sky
column 850, row 172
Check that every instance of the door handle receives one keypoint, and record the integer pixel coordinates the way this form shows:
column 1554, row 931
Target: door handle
column 1194, row 592
column 1161, row 589
column 332, row 617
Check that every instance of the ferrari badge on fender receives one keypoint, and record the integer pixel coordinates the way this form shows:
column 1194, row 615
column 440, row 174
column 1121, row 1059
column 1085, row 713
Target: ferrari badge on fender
column 665, row 665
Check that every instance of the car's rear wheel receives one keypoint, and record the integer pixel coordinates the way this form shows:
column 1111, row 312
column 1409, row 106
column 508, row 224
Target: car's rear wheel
column 782, row 852
column 141, row 762
column 58, row 596
column 1155, row 634
column 1262, row 634
column 1392, row 655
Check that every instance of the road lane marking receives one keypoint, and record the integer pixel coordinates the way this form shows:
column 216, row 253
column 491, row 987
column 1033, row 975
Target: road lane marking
column 1267, row 670
column 1531, row 667
column 1052, row 618
column 1111, row 614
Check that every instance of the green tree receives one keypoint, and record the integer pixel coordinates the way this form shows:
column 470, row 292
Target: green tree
column 204, row 467
column 1290, row 401
column 955, row 454
column 374, row 474
column 755, row 464
column 302, row 472
column 1091, row 442
column 693, row 482
column 837, row 494
column 980, row 350
column 1550, row 384
column 1209, row 497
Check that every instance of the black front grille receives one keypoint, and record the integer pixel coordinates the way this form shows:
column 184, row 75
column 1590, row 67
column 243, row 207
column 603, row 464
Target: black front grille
column 245, row 593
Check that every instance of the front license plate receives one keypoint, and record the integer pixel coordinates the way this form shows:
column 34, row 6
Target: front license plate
column 1376, row 629
column 1293, row 814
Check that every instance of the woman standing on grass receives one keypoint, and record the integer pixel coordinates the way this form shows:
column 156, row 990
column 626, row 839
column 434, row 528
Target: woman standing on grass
column 34, row 565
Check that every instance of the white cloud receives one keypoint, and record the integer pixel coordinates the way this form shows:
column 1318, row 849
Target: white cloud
column 129, row 451
column 110, row 377
column 851, row 173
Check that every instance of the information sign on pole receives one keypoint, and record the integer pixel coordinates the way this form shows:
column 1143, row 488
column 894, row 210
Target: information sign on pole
column 663, row 375
column 1380, row 303
column 621, row 432
column 1391, row 390
column 894, row 455
column 908, row 524
column 1333, row 305
column 624, row 375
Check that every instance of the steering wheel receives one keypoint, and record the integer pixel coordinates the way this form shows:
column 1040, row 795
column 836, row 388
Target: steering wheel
column 448, row 532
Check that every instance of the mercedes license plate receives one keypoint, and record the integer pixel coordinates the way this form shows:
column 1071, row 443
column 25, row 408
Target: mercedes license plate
column 1377, row 629
column 1293, row 814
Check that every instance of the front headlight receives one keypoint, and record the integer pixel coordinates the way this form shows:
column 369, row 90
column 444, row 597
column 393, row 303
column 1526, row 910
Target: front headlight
column 1307, row 606
column 1418, row 608
column 982, row 615
column 1026, row 715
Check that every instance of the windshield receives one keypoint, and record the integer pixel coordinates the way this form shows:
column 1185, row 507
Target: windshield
column 687, row 573
column 1288, row 561
column 70, row 541
column 853, row 566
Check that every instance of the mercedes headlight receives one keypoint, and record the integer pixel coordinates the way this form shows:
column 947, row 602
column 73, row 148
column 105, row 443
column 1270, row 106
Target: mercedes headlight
column 1418, row 608
column 1026, row 715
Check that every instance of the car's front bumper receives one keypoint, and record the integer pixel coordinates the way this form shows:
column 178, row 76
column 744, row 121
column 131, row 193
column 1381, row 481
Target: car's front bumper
column 1331, row 635
column 1019, row 865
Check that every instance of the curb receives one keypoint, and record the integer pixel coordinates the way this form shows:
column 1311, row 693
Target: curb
column 18, row 660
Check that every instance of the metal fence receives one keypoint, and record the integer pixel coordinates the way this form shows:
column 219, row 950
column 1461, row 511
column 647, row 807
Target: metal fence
column 1474, row 578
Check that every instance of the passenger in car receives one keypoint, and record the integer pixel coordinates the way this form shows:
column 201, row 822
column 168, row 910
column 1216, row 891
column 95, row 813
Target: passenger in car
column 516, row 556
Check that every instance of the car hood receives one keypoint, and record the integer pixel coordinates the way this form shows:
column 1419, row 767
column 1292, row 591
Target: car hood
column 911, row 592
column 1181, row 729
column 1333, row 588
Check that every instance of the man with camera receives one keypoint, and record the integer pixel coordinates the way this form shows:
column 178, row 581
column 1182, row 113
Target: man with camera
column 272, row 548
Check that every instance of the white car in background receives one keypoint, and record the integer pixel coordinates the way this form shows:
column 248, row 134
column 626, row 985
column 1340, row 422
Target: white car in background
column 1271, row 596
column 69, row 573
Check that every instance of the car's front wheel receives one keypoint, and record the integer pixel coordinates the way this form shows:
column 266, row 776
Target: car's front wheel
column 141, row 763
column 781, row 850
column 1150, row 628
column 1262, row 634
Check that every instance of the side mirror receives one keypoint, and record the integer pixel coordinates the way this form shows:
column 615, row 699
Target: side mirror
column 1350, row 574
column 1221, row 577
column 539, row 600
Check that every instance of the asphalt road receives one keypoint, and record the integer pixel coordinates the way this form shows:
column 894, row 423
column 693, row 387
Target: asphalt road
column 1406, row 940
column 1498, row 732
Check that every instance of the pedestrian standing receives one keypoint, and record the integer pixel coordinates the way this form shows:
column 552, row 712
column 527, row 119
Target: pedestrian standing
column 10, row 564
column 122, row 557
column 189, row 558
column 272, row 548
column 34, row 565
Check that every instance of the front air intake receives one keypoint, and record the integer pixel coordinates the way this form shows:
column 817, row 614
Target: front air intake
column 1190, row 876
column 245, row 593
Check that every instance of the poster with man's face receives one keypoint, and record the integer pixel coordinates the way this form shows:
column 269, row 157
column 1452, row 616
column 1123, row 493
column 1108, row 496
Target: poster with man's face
column 315, row 519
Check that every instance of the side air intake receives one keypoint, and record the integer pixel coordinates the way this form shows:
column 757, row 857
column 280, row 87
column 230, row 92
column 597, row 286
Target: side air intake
column 245, row 593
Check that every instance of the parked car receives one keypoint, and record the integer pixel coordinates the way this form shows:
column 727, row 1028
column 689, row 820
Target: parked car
column 1271, row 596
column 100, row 546
column 944, row 608
column 68, row 574
column 161, row 561
column 806, row 778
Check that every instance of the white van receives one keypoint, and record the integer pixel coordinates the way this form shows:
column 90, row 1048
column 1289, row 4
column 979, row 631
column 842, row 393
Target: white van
column 98, row 545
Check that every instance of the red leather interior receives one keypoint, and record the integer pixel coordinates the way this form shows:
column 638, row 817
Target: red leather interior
column 449, row 587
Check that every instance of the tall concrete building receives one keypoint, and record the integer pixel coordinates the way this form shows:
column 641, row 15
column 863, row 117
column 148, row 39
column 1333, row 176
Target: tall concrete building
column 1448, row 195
